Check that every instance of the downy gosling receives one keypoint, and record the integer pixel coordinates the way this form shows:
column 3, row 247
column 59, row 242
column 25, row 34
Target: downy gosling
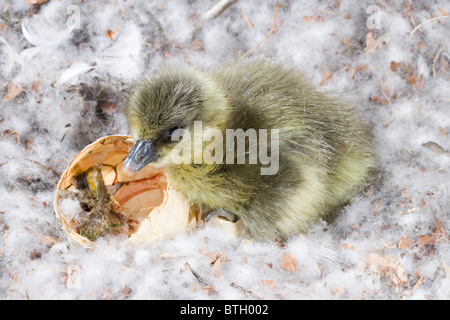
column 266, row 147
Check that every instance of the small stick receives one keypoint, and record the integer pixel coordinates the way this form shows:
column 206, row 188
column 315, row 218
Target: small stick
column 53, row 171
column 13, row 279
column 446, row 267
column 217, row 9
column 10, row 133
column 62, row 139
column 244, row 15
column 418, row 283
column 438, row 54
column 382, row 86
column 425, row 22
column 246, row 291
column 267, row 36
column 433, row 146
column 202, row 282
column 5, row 241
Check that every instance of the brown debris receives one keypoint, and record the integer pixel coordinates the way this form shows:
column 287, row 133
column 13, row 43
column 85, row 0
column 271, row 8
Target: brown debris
column 372, row 43
column 446, row 267
column 387, row 266
column 197, row 44
column 433, row 146
column 38, row 2
column 107, row 107
column 270, row 284
column 326, row 77
column 347, row 246
column 12, row 92
column 280, row 243
column 205, row 285
column 245, row 17
column 395, row 66
column 404, row 243
column 380, row 100
column 320, row 19
column 8, row 132
column 307, row 19
column 419, row 83
column 37, row 86
column 110, row 34
column 407, row 8
column 439, row 233
column 287, row 262
column 337, row 290
column 166, row 256
column 412, row 80
column 424, row 240
column 218, row 263
column 246, row 291
column 435, row 60
column 274, row 24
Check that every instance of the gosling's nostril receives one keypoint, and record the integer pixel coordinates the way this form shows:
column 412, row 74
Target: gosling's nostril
column 140, row 155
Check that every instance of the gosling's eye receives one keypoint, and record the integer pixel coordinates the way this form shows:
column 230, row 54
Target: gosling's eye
column 171, row 131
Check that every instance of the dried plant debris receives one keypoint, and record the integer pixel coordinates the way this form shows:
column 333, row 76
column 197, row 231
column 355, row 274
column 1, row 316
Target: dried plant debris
column 95, row 198
column 386, row 266
column 11, row 92
column 435, row 147
column 97, row 215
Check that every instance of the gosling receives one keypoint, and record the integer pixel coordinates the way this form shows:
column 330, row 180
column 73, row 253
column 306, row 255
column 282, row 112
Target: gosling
column 323, row 146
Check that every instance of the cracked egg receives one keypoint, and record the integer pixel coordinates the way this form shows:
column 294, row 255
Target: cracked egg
column 95, row 198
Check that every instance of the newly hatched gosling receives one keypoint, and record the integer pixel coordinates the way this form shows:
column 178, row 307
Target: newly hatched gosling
column 324, row 152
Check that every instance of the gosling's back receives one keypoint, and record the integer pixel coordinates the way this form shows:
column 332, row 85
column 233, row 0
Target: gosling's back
column 325, row 147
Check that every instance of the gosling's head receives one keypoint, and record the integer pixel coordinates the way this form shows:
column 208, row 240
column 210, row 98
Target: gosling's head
column 170, row 100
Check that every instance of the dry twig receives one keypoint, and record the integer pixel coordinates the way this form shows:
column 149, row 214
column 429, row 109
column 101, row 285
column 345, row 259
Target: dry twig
column 196, row 275
column 5, row 235
column 204, row 284
column 50, row 169
column 267, row 36
column 13, row 279
column 10, row 133
column 217, row 9
column 218, row 263
column 433, row 146
column 436, row 58
column 245, row 17
column 246, row 291
column 427, row 21
column 446, row 267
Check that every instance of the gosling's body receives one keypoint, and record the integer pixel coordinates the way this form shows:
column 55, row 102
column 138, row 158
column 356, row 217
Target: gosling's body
column 325, row 154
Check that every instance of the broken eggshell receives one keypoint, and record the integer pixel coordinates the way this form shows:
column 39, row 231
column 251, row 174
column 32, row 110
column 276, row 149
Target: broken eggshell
column 157, row 211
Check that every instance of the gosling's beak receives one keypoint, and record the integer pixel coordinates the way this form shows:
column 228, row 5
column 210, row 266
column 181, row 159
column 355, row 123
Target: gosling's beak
column 140, row 155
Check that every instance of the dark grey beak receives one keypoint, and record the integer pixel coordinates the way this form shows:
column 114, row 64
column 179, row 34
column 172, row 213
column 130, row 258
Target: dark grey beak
column 142, row 154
